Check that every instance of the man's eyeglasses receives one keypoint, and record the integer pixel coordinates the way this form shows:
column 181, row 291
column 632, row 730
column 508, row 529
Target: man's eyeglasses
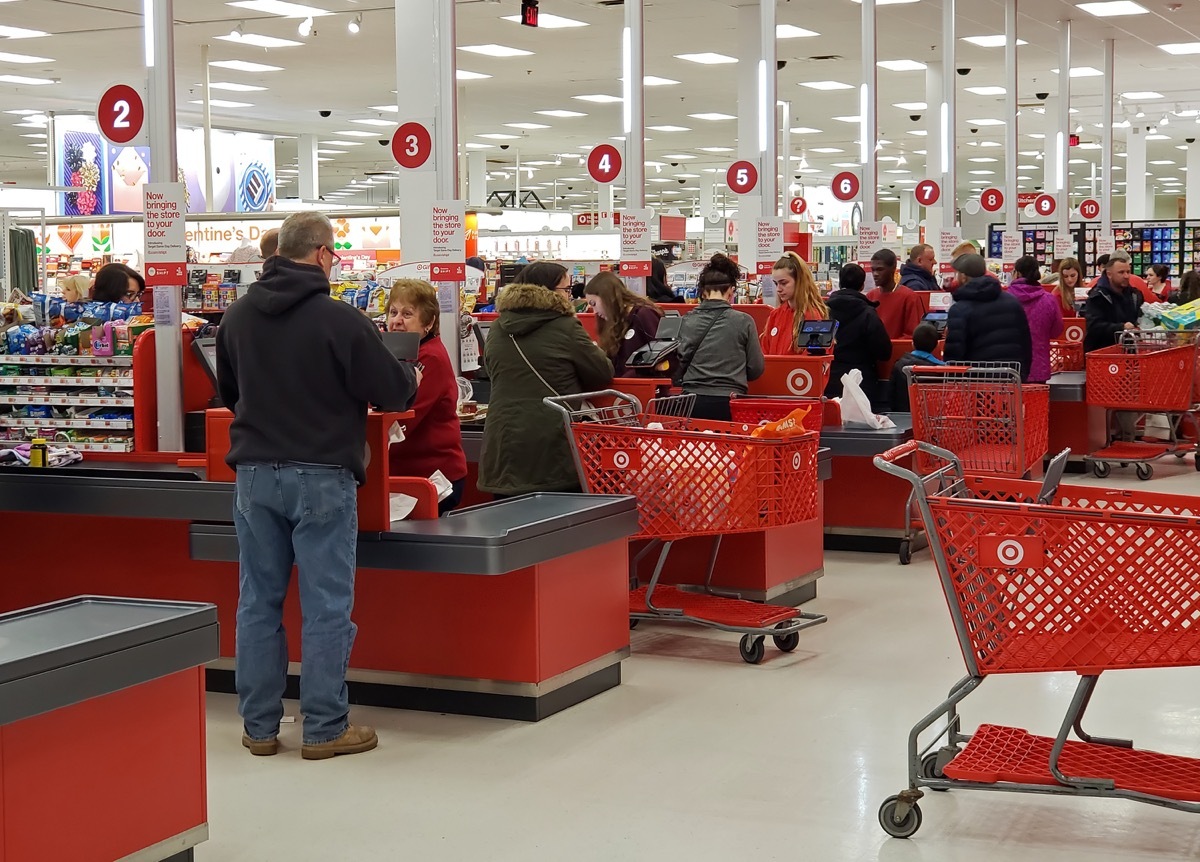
column 337, row 258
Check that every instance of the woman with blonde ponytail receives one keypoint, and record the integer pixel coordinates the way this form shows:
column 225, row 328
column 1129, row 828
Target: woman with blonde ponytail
column 799, row 300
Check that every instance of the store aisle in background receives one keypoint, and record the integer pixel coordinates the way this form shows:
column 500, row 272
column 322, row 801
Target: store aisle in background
column 699, row 756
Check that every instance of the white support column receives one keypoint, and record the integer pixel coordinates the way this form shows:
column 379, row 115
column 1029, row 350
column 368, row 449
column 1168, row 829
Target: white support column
column 306, row 159
column 868, row 116
column 1011, row 215
column 768, row 122
column 605, row 197
column 1106, row 140
column 425, row 70
column 1193, row 181
column 477, row 178
column 933, row 146
column 785, row 158
column 1062, row 149
column 949, row 115
column 209, row 185
column 158, row 24
column 708, row 195
column 749, row 207
column 633, row 71
column 1135, row 173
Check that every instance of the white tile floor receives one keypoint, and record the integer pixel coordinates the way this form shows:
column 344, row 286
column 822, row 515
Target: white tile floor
column 698, row 756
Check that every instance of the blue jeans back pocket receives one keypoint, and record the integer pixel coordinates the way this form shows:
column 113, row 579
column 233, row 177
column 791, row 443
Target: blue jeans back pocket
column 244, row 487
column 324, row 491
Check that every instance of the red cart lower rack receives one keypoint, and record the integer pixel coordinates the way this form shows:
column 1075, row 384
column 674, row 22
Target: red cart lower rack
column 694, row 478
column 1041, row 578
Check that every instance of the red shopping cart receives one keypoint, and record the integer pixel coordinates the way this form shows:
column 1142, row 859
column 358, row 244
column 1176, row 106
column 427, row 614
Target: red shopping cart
column 981, row 412
column 1066, row 356
column 1145, row 373
column 694, row 478
column 1039, row 579
column 750, row 411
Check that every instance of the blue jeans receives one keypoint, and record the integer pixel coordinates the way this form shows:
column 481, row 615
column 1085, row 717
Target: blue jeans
column 307, row 515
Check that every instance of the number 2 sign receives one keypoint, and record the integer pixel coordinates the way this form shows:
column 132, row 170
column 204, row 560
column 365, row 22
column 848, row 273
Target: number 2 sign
column 120, row 114
column 412, row 145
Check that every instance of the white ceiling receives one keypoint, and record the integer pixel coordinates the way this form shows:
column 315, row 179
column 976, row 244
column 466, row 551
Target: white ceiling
column 93, row 44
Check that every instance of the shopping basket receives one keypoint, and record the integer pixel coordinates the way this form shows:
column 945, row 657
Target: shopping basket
column 1040, row 578
column 1144, row 373
column 749, row 411
column 1066, row 356
column 695, row 478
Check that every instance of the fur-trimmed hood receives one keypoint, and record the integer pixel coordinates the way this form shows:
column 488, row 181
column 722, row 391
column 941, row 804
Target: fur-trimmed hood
column 524, row 308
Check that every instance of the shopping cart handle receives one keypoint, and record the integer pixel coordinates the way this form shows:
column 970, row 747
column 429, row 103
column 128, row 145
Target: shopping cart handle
column 891, row 456
column 942, row 369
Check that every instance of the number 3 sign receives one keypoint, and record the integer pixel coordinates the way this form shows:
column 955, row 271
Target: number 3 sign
column 412, row 145
column 120, row 114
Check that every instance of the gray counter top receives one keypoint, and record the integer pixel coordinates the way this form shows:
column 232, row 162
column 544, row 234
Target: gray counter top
column 864, row 442
column 1068, row 386
column 55, row 655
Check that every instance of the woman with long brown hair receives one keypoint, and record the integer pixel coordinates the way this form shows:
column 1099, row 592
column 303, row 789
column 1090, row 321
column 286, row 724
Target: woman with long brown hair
column 799, row 300
column 626, row 321
column 1070, row 276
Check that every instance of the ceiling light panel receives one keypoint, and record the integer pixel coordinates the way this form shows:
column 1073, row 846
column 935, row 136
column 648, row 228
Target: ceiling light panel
column 233, row 87
column 992, row 41
column 790, row 31
column 1142, row 96
column 707, row 58
column 911, row 106
column 20, row 33
column 713, row 116
column 805, row 130
column 1082, row 72
column 1113, row 8
column 280, row 8
column 23, row 59
column 491, row 50
column 826, row 85
column 901, row 65
column 21, row 79
column 986, row 91
column 825, row 150
column 599, row 98
column 561, row 114
column 216, row 103
column 666, row 128
column 258, row 40
column 464, row 75
column 529, row 126
column 549, row 22
column 244, row 66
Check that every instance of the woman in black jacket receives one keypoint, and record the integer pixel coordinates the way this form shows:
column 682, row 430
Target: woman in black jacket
column 656, row 284
column 861, row 341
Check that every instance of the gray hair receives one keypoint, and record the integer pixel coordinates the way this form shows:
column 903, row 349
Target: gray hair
column 1120, row 255
column 303, row 233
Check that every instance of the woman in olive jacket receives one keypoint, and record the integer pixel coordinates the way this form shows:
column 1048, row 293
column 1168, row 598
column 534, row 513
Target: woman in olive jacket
column 536, row 349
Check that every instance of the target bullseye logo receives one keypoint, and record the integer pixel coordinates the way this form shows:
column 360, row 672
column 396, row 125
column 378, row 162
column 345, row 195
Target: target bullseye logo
column 795, row 460
column 799, row 382
column 1114, row 369
column 1075, row 333
column 621, row 460
column 1010, row 552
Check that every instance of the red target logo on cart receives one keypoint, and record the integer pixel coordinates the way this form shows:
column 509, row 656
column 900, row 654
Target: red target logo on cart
column 1074, row 332
column 846, row 186
column 927, row 192
column 741, row 178
column 992, row 200
column 799, row 382
column 1089, row 210
column 1012, row 552
column 1044, row 205
column 620, row 459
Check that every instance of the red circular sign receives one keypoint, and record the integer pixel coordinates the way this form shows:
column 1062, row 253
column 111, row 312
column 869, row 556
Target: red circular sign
column 992, row 200
column 927, row 192
column 798, row 206
column 412, row 145
column 741, row 178
column 120, row 114
column 1044, row 205
column 1089, row 209
column 846, row 186
column 604, row 163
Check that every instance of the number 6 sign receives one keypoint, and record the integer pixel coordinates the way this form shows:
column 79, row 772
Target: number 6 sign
column 846, row 186
column 120, row 114
column 412, row 145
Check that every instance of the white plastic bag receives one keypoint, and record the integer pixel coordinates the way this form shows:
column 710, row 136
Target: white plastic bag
column 856, row 406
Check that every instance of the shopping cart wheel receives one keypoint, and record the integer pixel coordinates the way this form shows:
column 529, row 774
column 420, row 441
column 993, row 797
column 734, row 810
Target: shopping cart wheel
column 905, row 552
column 1198, row 461
column 633, row 624
column 1101, row 469
column 905, row 828
column 752, row 648
column 787, row 642
column 1144, row 471
column 929, row 769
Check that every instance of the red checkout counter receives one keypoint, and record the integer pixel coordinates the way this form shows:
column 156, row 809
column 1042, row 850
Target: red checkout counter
column 517, row 609
column 102, row 728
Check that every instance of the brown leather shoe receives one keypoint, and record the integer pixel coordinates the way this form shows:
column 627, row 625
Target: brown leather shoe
column 261, row 747
column 354, row 740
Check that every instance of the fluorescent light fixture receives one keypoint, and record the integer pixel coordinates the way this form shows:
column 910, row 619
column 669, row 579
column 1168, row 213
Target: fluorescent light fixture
column 280, row 8
column 1082, row 72
column 896, row 171
column 901, row 65
column 980, row 183
column 37, row 135
column 1161, row 162
column 600, row 98
column 244, row 66
column 679, row 157
column 491, row 50
column 464, row 75
column 790, row 31
column 1142, row 96
column 825, row 150
column 986, row 121
column 1036, row 136
column 20, row 33
column 38, row 146
column 561, row 114
column 846, row 164
column 342, row 144
column 715, row 149
column 805, row 130
column 854, row 119
column 996, row 41
column 990, row 144
column 386, row 109
column 21, row 79
column 1113, row 8
column 981, row 159
column 986, row 91
column 498, row 136
column 1176, row 48
column 655, row 81
column 22, row 58
column 1148, row 137
column 23, row 112
column 356, row 133
column 526, row 125
column 373, row 121
column 826, row 85
column 548, row 22
column 712, row 115
column 258, row 40
column 665, row 128
column 220, row 103
column 234, row 88
column 707, row 58
column 331, row 152
column 919, row 133
column 890, row 2
column 473, row 145
column 910, row 106
column 982, row 173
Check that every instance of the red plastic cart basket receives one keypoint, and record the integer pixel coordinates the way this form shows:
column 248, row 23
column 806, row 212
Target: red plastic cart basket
column 1143, row 373
column 1066, row 356
column 750, row 411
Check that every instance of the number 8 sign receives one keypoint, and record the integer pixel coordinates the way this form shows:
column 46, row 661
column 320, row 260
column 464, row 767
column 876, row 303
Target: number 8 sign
column 846, row 186
column 412, row 145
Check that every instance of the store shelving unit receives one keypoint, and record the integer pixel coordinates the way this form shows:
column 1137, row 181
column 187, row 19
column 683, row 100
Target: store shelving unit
column 1174, row 242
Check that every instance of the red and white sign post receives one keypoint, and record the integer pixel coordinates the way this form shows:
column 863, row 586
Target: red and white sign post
column 1045, row 205
column 166, row 238
column 991, row 200
column 927, row 192
column 846, row 186
column 1089, row 210
column 798, row 206
column 412, row 145
column 121, row 114
column 742, row 178
column 604, row 163
column 636, row 256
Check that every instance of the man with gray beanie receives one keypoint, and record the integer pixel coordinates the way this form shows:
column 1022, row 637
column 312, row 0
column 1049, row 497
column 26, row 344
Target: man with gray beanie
column 985, row 324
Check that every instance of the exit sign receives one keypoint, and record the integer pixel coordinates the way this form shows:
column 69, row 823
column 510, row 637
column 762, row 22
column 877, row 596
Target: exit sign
column 1074, row 140
column 529, row 13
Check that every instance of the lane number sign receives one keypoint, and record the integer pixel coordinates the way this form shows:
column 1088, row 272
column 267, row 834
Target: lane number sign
column 992, row 200
column 927, row 192
column 412, row 145
column 846, row 186
column 741, row 178
column 604, row 163
column 1089, row 210
column 798, row 206
column 120, row 114
column 1045, row 205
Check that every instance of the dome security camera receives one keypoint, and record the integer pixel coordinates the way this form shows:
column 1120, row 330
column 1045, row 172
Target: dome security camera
column 974, row 130
column 916, row 118
column 325, row 113
column 504, row 146
column 383, row 142
column 1037, row 188
column 674, row 164
column 1190, row 140
column 780, row 65
column 964, row 72
column 1041, row 97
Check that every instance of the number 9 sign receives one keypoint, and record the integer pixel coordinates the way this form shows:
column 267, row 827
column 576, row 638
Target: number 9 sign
column 1045, row 205
column 120, row 114
column 846, row 186
column 412, row 145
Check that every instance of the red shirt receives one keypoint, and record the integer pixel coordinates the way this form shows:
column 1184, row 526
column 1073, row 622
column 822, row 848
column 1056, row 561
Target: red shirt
column 778, row 336
column 900, row 310
column 433, row 438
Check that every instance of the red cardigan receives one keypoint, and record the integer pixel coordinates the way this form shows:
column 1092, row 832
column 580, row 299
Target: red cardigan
column 433, row 439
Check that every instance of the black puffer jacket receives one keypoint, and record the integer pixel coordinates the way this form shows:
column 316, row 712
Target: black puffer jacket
column 915, row 278
column 1106, row 313
column 985, row 324
column 861, row 342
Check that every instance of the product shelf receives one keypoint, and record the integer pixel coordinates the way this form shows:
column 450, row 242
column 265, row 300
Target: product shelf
column 94, row 424
column 54, row 359
column 82, row 447
column 67, row 381
column 66, row 400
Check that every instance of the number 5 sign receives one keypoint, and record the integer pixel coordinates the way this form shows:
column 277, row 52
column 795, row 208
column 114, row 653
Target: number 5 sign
column 412, row 145
column 121, row 114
